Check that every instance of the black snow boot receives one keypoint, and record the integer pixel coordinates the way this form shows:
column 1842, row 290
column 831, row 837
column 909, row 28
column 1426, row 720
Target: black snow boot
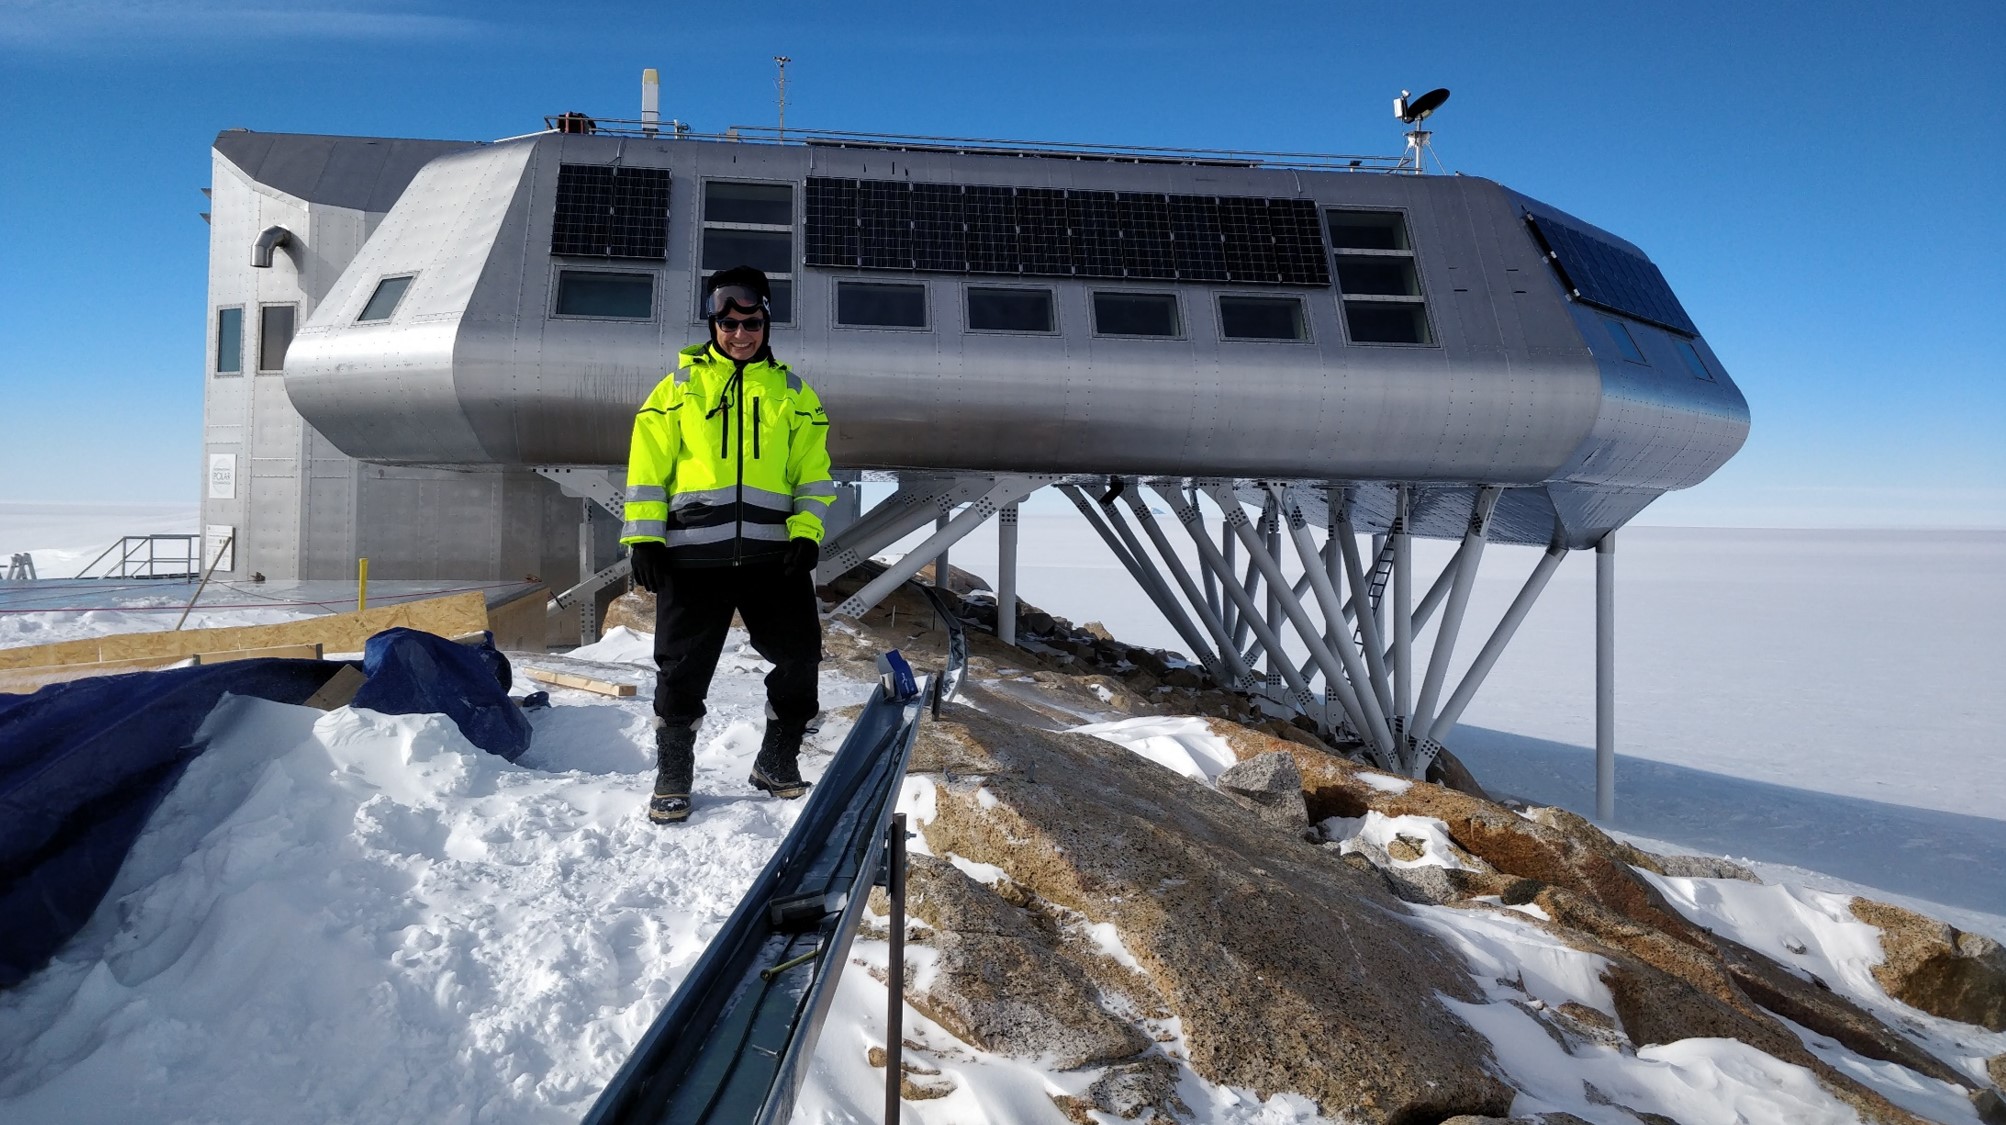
column 777, row 770
column 675, row 763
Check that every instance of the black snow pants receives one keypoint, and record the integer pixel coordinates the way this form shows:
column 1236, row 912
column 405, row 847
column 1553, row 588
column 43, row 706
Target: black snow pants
column 780, row 614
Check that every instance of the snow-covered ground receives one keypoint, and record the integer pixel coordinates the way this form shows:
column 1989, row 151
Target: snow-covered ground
column 356, row 917
column 64, row 538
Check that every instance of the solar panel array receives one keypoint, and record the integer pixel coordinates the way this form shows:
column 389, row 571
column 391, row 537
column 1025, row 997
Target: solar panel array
column 1602, row 273
column 1050, row 232
column 606, row 211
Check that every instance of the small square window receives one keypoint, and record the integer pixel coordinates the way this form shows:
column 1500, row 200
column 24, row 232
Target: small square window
column 1261, row 318
column 875, row 304
column 1377, row 277
column 383, row 302
column 1386, row 322
column 1626, row 344
column 1694, row 363
column 770, row 204
column 1136, row 314
column 275, row 335
column 620, row 296
column 1010, row 310
column 229, row 341
column 1368, row 230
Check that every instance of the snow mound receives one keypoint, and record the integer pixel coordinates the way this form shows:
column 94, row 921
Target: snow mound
column 1182, row 743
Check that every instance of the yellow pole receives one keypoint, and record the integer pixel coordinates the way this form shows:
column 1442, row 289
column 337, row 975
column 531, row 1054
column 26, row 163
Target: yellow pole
column 361, row 585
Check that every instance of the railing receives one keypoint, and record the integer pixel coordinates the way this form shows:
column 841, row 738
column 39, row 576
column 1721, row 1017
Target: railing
column 142, row 556
column 1077, row 150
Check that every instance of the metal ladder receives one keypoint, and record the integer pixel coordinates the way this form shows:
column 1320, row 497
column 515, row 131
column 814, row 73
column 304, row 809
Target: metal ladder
column 1375, row 583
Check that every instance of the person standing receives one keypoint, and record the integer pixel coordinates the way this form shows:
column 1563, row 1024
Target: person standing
column 727, row 484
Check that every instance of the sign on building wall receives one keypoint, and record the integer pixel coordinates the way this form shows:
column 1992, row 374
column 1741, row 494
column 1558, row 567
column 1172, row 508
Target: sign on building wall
column 219, row 546
column 222, row 476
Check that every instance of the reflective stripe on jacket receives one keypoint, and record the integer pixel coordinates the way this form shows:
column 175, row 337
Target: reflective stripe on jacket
column 728, row 464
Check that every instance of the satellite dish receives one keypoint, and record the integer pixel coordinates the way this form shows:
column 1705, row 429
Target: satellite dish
column 1413, row 110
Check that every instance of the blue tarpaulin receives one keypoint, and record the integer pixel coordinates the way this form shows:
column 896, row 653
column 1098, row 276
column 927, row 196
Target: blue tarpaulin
column 84, row 764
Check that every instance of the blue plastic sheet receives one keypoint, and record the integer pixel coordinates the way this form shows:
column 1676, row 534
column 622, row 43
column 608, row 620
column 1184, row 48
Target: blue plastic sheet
column 84, row 764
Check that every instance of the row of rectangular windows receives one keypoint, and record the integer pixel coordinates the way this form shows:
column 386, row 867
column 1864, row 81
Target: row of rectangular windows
column 275, row 335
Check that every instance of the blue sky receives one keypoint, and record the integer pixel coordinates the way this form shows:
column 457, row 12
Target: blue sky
column 1816, row 180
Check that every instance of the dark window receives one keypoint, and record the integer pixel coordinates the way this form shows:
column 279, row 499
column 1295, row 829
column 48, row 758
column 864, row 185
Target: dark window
column 229, row 341
column 1380, row 277
column 1261, row 318
column 751, row 225
column 1626, row 344
column 1385, row 322
column 611, row 211
column 1010, row 310
column 767, row 204
column 880, row 305
column 383, row 302
column 1135, row 314
column 1368, row 230
column 627, row 296
column 1693, row 361
column 275, row 335
column 768, row 251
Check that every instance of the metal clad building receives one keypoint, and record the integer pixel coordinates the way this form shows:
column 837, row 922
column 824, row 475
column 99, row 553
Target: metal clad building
column 485, row 309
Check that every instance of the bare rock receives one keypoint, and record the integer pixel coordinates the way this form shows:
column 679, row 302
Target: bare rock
column 1990, row 1107
column 1143, row 1090
column 1000, row 981
column 635, row 609
column 1691, row 866
column 916, row 1083
column 1996, row 1068
column 1271, row 785
column 1937, row 967
column 1229, row 924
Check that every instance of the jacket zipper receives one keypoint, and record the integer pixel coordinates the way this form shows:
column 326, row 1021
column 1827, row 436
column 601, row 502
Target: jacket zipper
column 755, row 429
column 738, row 513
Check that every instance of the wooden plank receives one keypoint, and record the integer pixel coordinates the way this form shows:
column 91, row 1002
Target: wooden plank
column 447, row 616
column 522, row 623
column 338, row 690
column 275, row 652
column 582, row 683
column 20, row 681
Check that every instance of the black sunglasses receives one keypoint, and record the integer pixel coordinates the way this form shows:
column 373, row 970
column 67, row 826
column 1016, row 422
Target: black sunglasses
column 732, row 324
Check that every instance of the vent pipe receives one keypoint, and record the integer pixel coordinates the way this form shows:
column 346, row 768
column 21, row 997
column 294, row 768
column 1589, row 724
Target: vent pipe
column 651, row 100
column 261, row 254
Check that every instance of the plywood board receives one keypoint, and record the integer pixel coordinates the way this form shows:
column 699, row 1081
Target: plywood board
column 521, row 624
column 20, row 681
column 340, row 632
column 275, row 652
column 338, row 690
column 582, row 683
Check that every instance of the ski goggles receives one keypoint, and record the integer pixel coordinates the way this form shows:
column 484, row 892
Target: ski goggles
column 733, row 298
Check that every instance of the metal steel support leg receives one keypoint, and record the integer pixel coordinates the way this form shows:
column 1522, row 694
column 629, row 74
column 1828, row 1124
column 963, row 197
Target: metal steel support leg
column 1122, row 544
column 1230, row 669
column 1005, row 490
column 1173, row 608
column 1187, row 514
column 1359, row 706
column 1605, row 679
column 1403, row 609
column 894, row 518
column 1495, row 646
column 1368, row 615
column 940, row 569
column 1271, row 534
column 1353, row 694
column 1467, row 559
column 1006, row 574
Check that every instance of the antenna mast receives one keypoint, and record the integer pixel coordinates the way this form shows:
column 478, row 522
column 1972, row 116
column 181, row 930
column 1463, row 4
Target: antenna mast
column 1413, row 112
column 782, row 61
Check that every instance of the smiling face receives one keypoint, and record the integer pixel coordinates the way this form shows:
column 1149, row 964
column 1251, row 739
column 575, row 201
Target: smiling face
column 739, row 335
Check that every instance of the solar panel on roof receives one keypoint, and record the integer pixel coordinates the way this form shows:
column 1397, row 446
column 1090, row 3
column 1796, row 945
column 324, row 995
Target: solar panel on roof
column 1602, row 273
column 1051, row 232
column 607, row 211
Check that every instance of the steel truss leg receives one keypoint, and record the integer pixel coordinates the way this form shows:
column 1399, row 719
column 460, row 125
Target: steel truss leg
column 895, row 517
column 1605, row 679
column 1495, row 646
column 1359, row 707
column 1002, row 491
column 1214, row 558
column 1234, row 671
column 1368, row 614
column 1006, row 574
column 1467, row 559
column 1403, row 607
column 940, row 568
column 1121, row 541
column 1271, row 535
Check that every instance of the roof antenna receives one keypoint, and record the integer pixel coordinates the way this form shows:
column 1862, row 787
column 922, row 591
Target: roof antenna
column 782, row 61
column 1413, row 113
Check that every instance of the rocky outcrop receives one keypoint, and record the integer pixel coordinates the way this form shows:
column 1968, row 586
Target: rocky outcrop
column 1938, row 968
column 1229, row 923
column 1272, row 786
column 999, row 980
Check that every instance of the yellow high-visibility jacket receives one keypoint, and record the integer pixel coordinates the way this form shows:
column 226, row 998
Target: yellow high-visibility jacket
column 728, row 463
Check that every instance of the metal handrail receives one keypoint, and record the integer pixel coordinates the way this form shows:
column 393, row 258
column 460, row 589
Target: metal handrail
column 1082, row 150
column 127, row 546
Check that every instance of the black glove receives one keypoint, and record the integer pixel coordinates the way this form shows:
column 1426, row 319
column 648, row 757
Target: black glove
column 802, row 555
column 651, row 568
